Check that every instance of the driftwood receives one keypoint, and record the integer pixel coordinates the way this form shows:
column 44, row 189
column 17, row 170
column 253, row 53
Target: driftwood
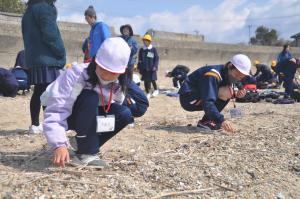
column 196, row 191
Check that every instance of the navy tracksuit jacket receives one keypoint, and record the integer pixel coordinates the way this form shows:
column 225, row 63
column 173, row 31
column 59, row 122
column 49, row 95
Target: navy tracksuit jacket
column 287, row 70
column 200, row 92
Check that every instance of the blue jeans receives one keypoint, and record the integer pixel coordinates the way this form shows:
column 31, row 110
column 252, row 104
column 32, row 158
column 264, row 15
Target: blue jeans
column 83, row 121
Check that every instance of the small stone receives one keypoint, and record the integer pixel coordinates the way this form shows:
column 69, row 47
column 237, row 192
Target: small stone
column 252, row 174
column 280, row 196
column 42, row 196
column 132, row 151
column 296, row 168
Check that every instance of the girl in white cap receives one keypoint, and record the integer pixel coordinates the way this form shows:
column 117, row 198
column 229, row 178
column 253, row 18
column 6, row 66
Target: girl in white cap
column 210, row 88
column 88, row 99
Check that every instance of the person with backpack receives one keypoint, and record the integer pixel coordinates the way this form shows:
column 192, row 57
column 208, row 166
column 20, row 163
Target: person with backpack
column 88, row 98
column 8, row 83
column 99, row 31
column 286, row 70
column 148, row 65
column 45, row 53
column 127, row 35
column 210, row 88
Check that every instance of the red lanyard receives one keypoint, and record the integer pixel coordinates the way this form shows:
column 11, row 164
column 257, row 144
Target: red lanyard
column 231, row 90
column 109, row 101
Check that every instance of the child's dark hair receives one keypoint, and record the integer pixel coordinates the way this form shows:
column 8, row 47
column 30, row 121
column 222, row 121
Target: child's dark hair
column 230, row 66
column 93, row 78
column 285, row 47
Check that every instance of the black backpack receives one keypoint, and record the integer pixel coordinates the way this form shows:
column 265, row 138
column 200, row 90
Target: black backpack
column 22, row 78
column 251, row 96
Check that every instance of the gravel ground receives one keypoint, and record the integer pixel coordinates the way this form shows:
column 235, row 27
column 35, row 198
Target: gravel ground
column 161, row 156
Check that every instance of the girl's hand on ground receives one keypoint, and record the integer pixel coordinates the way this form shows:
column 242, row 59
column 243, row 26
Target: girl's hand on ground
column 241, row 93
column 61, row 156
column 227, row 126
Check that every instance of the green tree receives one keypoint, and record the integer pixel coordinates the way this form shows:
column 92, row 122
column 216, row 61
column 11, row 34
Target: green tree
column 13, row 6
column 265, row 36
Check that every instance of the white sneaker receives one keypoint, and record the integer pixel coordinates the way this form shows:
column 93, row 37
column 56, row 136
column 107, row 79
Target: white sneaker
column 148, row 96
column 83, row 160
column 73, row 143
column 131, row 125
column 155, row 93
column 35, row 129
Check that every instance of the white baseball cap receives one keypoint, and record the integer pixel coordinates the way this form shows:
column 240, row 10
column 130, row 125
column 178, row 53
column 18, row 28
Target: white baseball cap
column 113, row 55
column 242, row 63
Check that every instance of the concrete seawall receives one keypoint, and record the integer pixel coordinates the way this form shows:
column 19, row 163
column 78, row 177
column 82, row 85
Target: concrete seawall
column 172, row 51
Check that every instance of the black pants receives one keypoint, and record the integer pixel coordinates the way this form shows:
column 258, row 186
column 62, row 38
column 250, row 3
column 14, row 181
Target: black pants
column 35, row 103
column 148, row 85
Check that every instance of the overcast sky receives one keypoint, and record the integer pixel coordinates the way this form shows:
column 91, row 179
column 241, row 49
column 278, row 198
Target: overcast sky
column 220, row 21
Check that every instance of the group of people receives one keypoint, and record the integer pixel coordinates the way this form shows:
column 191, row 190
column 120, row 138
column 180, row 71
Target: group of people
column 99, row 98
column 282, row 71
column 148, row 58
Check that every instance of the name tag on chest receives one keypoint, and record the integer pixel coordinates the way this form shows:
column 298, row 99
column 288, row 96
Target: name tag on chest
column 150, row 54
column 105, row 124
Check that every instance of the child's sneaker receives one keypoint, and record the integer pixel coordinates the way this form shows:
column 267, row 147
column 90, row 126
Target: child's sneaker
column 73, row 143
column 83, row 160
column 155, row 93
column 131, row 125
column 208, row 126
column 35, row 129
column 148, row 96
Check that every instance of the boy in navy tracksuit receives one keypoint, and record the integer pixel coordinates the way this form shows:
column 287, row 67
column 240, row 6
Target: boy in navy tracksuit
column 287, row 69
column 209, row 89
column 8, row 84
column 179, row 74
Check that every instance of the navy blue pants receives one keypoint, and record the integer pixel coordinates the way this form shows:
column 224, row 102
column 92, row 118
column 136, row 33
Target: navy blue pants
column 186, row 103
column 289, row 86
column 83, row 121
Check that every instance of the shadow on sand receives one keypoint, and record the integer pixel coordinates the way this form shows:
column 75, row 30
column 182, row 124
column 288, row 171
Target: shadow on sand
column 175, row 128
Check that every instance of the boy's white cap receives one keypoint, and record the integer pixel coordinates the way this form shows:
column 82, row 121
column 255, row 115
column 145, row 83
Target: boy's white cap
column 242, row 63
column 113, row 55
